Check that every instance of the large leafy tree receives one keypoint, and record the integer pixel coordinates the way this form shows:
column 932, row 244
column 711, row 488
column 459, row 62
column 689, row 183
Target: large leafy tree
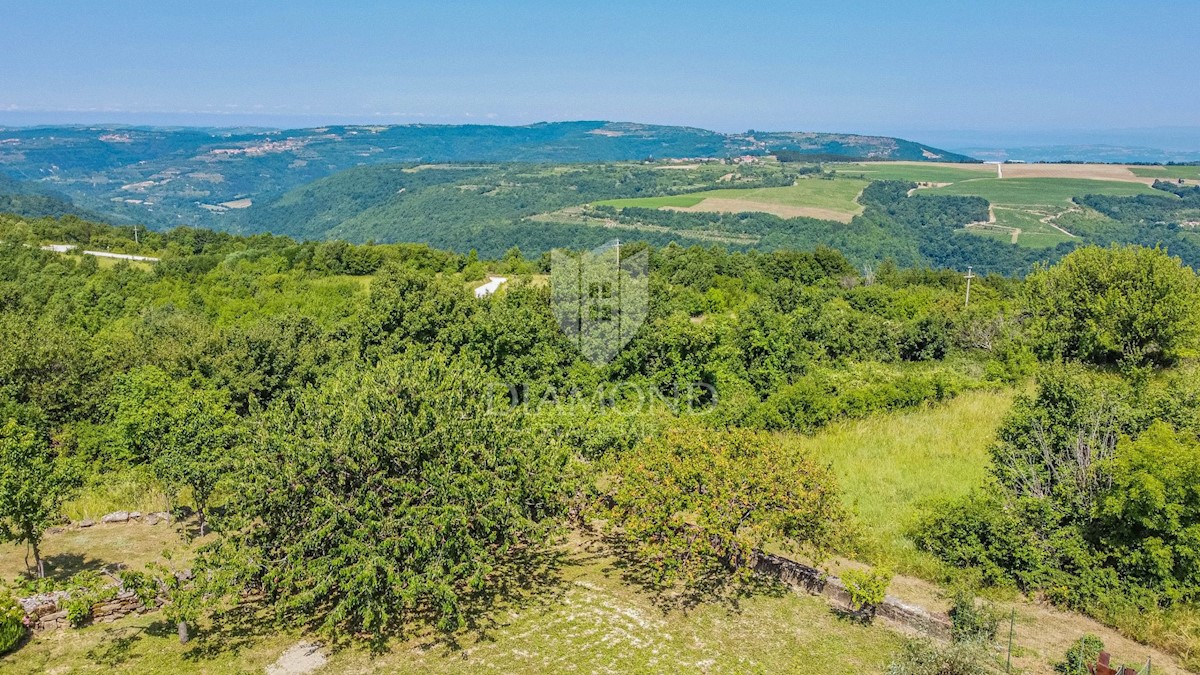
column 693, row 507
column 1150, row 516
column 186, row 434
column 197, row 450
column 1116, row 305
column 389, row 493
column 33, row 485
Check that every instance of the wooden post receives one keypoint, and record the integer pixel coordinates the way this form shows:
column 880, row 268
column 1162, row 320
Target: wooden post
column 1012, row 622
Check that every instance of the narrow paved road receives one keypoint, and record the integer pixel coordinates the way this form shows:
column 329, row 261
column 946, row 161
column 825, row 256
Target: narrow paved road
column 490, row 287
column 66, row 248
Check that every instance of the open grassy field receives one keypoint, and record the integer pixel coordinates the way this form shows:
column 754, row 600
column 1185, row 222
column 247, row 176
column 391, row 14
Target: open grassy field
column 1190, row 172
column 1031, row 202
column 583, row 618
column 681, row 201
column 809, row 197
column 888, row 465
column 1035, row 205
column 918, row 172
column 1040, row 192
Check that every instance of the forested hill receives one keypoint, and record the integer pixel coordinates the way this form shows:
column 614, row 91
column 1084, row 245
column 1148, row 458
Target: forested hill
column 171, row 176
column 34, row 201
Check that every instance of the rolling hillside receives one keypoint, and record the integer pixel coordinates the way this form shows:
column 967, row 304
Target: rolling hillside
column 191, row 176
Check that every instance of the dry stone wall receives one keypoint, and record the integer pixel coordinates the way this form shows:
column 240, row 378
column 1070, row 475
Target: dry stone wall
column 814, row 581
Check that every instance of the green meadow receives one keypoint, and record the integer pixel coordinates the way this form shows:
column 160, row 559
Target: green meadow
column 837, row 195
column 1189, row 172
column 676, row 201
column 888, row 465
column 917, row 173
column 1040, row 192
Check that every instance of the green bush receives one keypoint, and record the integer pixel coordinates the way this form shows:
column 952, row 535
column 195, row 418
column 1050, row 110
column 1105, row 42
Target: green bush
column 973, row 621
column 1083, row 653
column 924, row 657
column 690, row 508
column 12, row 624
column 86, row 589
column 867, row 588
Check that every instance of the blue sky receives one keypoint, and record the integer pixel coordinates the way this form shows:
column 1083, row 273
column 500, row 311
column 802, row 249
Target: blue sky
column 883, row 67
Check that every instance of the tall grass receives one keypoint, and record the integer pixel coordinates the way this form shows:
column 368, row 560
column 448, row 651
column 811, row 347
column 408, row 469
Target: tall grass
column 888, row 465
column 130, row 490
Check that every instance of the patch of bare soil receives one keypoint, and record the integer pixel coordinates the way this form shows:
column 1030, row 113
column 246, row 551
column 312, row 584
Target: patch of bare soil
column 300, row 659
column 716, row 205
column 1116, row 172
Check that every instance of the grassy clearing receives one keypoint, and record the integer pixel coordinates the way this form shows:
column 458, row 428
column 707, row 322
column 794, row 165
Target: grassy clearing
column 127, row 491
column 1036, row 230
column 888, row 465
column 585, row 619
column 109, row 263
column 837, row 196
column 133, row 544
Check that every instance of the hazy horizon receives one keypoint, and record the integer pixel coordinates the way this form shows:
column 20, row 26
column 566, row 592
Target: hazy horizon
column 1022, row 69
column 1182, row 142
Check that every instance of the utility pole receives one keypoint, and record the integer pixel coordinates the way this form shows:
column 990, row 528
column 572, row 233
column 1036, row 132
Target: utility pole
column 969, row 277
column 135, row 237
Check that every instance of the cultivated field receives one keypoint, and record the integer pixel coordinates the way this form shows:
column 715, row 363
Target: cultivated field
column 918, row 172
column 1031, row 203
column 950, row 173
column 1034, row 205
column 809, row 197
column 1190, row 173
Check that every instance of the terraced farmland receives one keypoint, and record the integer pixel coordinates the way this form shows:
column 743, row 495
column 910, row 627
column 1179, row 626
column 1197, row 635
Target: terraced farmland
column 1031, row 203
column 1034, row 205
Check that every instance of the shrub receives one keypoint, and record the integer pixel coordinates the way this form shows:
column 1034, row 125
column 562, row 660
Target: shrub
column 86, row 589
column 1150, row 513
column 693, row 506
column 867, row 588
column 973, row 621
column 12, row 624
column 923, row 657
column 424, row 490
column 1083, row 653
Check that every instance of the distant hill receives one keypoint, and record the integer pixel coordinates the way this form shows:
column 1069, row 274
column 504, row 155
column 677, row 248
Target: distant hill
column 172, row 176
column 33, row 201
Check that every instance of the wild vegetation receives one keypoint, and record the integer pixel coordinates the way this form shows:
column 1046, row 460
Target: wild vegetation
column 368, row 452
